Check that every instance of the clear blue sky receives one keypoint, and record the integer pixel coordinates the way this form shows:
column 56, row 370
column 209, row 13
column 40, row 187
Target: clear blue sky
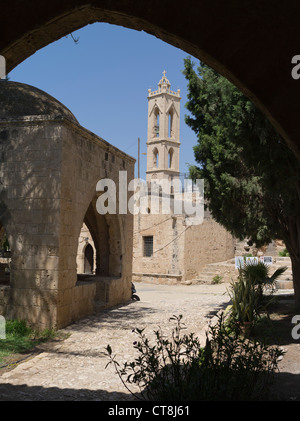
column 104, row 81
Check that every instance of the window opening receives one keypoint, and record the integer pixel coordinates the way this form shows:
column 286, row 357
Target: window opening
column 148, row 246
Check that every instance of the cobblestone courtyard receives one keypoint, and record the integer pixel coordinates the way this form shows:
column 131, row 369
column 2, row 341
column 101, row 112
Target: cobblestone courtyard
column 74, row 368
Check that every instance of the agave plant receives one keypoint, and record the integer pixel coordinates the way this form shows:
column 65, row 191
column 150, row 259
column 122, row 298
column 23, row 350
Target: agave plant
column 245, row 299
column 247, row 292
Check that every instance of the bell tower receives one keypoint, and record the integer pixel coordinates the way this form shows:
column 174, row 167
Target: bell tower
column 163, row 132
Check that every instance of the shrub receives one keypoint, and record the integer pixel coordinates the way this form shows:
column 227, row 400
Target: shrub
column 217, row 279
column 284, row 253
column 247, row 293
column 228, row 367
column 17, row 327
column 245, row 299
column 233, row 368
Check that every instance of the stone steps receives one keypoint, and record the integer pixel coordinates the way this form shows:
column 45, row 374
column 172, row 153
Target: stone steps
column 228, row 272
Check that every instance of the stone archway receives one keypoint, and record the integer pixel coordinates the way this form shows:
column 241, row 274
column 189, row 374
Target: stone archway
column 250, row 44
column 105, row 231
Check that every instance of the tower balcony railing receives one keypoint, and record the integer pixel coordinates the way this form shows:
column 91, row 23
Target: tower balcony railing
column 167, row 90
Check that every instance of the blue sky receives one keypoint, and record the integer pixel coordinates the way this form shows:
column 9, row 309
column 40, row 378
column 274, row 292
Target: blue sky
column 104, row 81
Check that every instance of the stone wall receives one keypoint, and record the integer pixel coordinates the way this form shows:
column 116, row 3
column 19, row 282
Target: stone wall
column 180, row 251
column 49, row 170
column 206, row 243
column 168, row 246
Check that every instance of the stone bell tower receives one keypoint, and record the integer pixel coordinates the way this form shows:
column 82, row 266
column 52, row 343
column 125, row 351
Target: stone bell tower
column 163, row 132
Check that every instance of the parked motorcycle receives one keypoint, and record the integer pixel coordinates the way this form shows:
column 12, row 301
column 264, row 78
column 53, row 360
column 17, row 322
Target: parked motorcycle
column 133, row 293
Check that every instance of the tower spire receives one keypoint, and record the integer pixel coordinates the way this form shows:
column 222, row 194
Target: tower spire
column 163, row 141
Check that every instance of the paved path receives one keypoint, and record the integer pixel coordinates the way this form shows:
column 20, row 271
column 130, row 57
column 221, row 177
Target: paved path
column 74, row 369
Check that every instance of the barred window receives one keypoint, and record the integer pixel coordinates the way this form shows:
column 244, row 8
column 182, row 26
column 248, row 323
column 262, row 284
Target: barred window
column 148, row 246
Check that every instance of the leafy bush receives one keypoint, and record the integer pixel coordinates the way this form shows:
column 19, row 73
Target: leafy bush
column 284, row 253
column 229, row 367
column 247, row 293
column 233, row 368
column 217, row 279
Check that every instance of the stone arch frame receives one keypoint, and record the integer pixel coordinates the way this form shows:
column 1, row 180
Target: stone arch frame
column 226, row 45
column 106, row 233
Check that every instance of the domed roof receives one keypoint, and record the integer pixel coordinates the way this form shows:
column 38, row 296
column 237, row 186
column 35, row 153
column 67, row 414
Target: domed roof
column 18, row 100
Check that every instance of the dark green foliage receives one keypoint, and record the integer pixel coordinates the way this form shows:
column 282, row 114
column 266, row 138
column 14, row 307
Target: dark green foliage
column 247, row 293
column 228, row 367
column 252, row 178
column 233, row 368
column 17, row 327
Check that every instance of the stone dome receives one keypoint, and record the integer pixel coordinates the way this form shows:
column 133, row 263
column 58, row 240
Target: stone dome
column 18, row 100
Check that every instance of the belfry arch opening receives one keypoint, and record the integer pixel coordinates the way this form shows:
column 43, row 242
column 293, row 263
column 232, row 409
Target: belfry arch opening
column 170, row 158
column 170, row 125
column 156, row 121
column 155, row 158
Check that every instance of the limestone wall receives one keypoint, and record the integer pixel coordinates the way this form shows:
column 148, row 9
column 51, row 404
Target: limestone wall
column 180, row 252
column 30, row 214
column 168, row 247
column 49, row 168
column 206, row 243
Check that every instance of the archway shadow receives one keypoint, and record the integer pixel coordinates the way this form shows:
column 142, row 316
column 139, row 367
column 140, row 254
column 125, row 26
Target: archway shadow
column 9, row 392
column 286, row 387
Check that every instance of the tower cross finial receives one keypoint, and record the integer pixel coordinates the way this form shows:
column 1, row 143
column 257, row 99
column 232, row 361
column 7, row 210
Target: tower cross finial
column 164, row 73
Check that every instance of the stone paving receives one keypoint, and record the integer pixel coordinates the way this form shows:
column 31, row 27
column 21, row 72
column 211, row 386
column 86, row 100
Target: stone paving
column 74, row 369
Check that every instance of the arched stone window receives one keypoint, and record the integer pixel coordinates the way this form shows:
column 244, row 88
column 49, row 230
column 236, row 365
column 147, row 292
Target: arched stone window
column 170, row 124
column 155, row 158
column 156, row 122
column 170, row 158
column 88, row 259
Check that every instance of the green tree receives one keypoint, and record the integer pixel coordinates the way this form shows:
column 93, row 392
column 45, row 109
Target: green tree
column 252, row 179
